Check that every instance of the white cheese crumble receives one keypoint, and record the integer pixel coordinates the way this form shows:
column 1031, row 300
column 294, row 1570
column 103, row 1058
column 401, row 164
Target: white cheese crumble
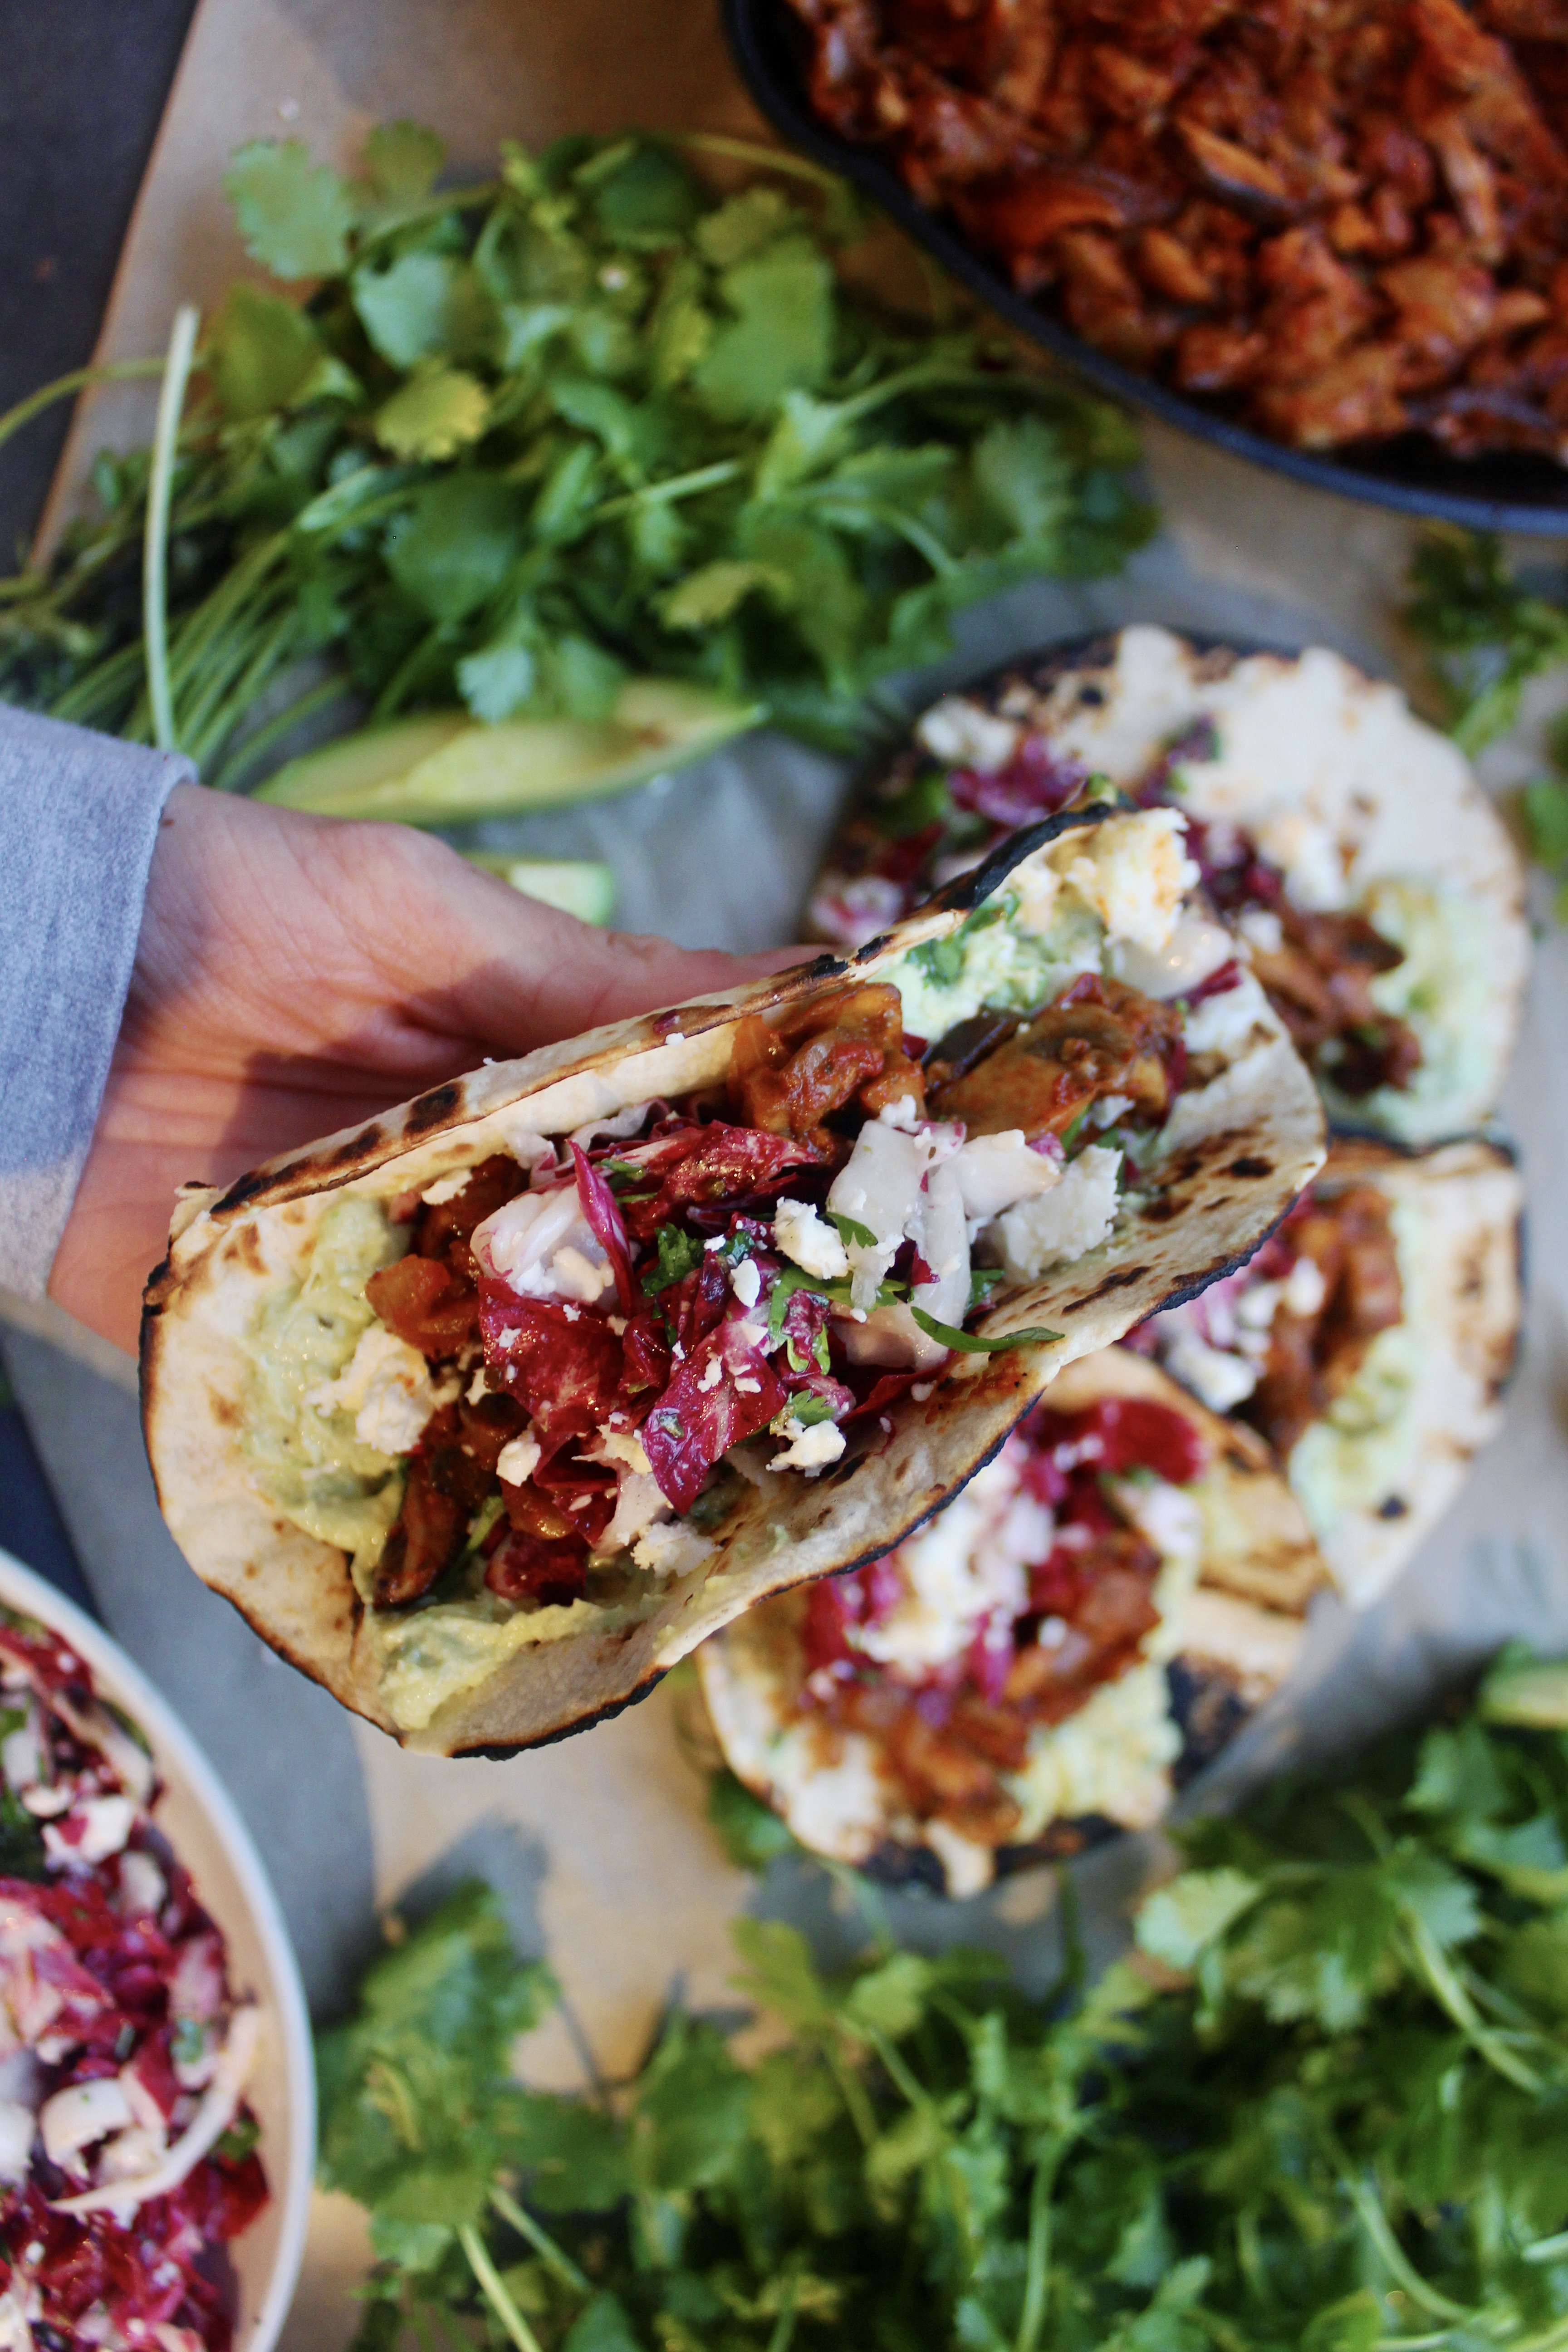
column 746, row 1282
column 966, row 1564
column 388, row 1388
column 639, row 1506
column 812, row 1446
column 445, row 1188
column 964, row 735
column 1057, row 1227
column 519, row 1459
column 996, row 1172
column 968, row 1867
column 672, row 1550
column 808, row 1239
column 1134, row 873
column 1223, row 1023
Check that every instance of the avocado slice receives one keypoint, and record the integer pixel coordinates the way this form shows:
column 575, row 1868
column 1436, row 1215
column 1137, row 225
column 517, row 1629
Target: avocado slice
column 444, row 768
column 576, row 885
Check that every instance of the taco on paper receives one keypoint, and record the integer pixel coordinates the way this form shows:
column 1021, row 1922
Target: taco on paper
column 1042, row 1663
column 487, row 1413
column 1371, row 882
column 1369, row 1341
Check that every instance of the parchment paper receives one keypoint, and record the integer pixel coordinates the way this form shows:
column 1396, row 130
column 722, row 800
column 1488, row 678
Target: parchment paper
column 598, row 1846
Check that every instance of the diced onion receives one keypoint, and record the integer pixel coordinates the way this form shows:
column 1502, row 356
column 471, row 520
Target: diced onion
column 206, row 2127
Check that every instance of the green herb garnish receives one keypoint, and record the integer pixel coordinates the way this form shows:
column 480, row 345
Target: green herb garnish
column 852, row 1233
column 1324, row 2110
column 586, row 426
column 680, row 1253
column 977, row 1343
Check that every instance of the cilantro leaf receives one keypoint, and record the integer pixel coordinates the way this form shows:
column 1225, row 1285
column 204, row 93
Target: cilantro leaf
column 752, row 1833
column 294, row 215
column 680, row 1253
column 981, row 1343
column 402, row 161
column 434, row 415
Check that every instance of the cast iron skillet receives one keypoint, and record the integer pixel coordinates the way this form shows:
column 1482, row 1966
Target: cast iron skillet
column 1500, row 493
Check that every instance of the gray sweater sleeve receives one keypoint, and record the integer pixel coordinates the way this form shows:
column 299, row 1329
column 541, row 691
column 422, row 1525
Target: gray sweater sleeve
column 79, row 816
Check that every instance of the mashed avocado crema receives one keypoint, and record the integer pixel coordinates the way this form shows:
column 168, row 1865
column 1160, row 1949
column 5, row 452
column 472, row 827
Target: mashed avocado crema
column 311, row 1464
column 309, row 1460
column 1446, row 990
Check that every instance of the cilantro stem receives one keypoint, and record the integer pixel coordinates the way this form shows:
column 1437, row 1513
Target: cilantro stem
column 1037, row 2262
column 493, row 2288
column 79, row 380
column 1452, row 1997
column 783, row 2327
column 674, row 485
column 852, row 2091
column 155, row 541
column 543, row 2244
column 1376, row 2222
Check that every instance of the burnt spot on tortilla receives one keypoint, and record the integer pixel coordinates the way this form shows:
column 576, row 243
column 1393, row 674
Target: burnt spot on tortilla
column 1208, row 1710
column 1251, row 1163
column 428, row 1110
column 243, row 1190
column 246, row 1248
column 1393, row 1506
column 1119, row 1279
column 225, row 1411
column 1159, row 1211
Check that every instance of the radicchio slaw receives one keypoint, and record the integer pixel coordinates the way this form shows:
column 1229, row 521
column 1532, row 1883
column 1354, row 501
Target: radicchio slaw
column 127, row 2153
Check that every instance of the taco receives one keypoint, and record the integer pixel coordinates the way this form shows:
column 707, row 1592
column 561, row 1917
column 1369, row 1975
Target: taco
column 1369, row 1341
column 1377, row 893
column 1045, row 1661
column 487, row 1413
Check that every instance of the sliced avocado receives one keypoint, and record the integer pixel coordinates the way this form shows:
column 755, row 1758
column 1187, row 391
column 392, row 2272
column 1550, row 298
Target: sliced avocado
column 576, row 885
column 443, row 768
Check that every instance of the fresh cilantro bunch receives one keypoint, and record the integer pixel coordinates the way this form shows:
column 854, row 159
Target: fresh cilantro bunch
column 503, row 449
column 1324, row 2108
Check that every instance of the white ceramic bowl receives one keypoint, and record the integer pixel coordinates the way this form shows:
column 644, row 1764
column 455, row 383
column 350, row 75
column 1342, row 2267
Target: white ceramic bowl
column 212, row 1843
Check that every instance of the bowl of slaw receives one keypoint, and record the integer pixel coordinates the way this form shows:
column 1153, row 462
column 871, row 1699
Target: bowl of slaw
column 142, row 1870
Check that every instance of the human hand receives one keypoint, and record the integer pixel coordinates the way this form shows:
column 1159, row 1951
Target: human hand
column 294, row 975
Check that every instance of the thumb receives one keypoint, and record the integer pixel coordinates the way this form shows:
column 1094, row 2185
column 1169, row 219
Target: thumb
column 483, row 960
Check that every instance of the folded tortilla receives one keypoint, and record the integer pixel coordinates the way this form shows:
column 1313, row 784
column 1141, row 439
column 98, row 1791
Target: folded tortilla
column 1226, row 1640
column 1234, row 1154
column 1376, row 1475
column 1358, row 804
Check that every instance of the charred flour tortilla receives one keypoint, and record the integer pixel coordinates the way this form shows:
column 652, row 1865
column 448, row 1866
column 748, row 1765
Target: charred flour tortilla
column 1376, row 890
column 1045, row 1661
column 279, row 1420
column 1370, row 1340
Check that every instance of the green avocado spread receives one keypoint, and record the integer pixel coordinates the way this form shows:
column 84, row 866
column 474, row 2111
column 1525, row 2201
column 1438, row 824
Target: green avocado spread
column 306, row 1461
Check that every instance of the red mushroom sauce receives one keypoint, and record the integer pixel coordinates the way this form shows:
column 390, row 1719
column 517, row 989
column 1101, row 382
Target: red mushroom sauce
column 127, row 2153
column 1344, row 223
column 711, row 1289
column 1073, row 1617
